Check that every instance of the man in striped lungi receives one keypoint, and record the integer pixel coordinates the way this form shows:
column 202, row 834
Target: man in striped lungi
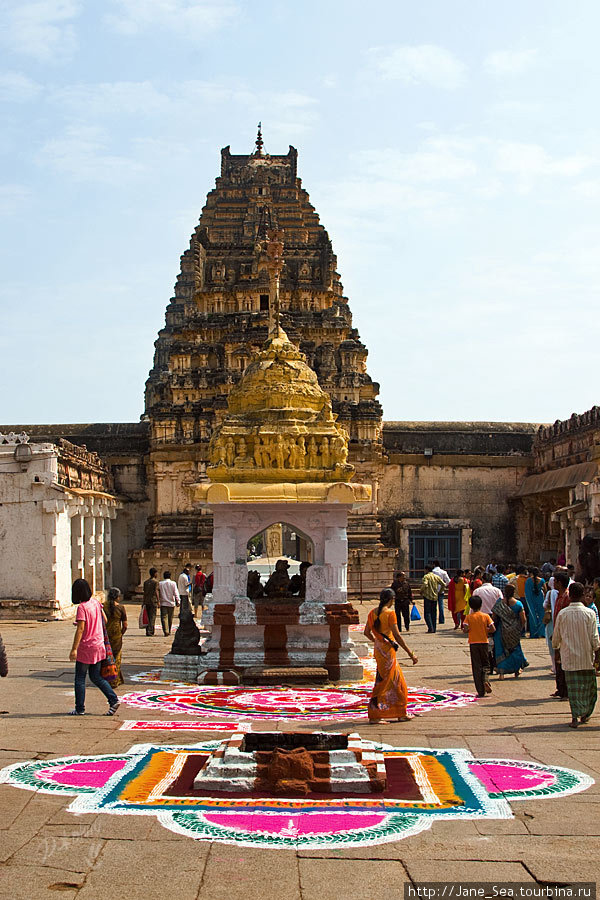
column 576, row 639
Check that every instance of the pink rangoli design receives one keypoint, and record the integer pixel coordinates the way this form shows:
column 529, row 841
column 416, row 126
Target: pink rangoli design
column 287, row 704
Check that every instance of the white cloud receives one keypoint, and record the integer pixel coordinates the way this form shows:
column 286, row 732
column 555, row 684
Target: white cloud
column 368, row 206
column 438, row 159
column 41, row 29
column 188, row 18
column 17, row 88
column 448, row 179
column 420, row 64
column 531, row 161
column 82, row 151
column 90, row 101
column 82, row 154
column 285, row 114
column 509, row 62
column 386, row 183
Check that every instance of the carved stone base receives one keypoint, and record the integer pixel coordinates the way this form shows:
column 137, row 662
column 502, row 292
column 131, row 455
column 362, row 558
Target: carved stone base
column 276, row 675
column 182, row 668
column 210, row 676
column 288, row 645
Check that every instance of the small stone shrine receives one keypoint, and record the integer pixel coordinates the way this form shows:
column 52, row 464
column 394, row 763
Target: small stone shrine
column 278, row 456
column 294, row 763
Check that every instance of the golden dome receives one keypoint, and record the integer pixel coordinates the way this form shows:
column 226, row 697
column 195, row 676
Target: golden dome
column 279, row 425
column 279, row 382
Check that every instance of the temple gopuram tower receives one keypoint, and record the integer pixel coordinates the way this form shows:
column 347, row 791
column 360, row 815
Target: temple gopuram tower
column 215, row 325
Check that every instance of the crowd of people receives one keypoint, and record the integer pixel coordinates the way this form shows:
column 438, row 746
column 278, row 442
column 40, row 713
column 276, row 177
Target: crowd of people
column 496, row 607
column 163, row 596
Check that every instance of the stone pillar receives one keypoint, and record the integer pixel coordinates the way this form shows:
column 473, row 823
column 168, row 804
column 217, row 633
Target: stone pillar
column 402, row 538
column 335, row 557
column 89, row 551
column 224, row 562
column 173, row 492
column 54, row 557
column 107, row 550
column 466, row 547
column 77, row 547
column 99, row 555
column 375, row 494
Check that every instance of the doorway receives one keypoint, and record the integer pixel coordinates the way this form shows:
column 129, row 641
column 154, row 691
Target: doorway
column 428, row 544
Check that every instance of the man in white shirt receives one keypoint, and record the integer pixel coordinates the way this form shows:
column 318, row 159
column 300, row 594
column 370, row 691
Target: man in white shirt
column 488, row 593
column 441, row 573
column 576, row 639
column 169, row 599
column 184, row 581
column 489, row 597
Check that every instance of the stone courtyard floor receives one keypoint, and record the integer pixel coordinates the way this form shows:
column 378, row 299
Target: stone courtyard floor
column 47, row 851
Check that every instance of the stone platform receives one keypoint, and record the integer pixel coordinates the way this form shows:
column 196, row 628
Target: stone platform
column 288, row 633
column 294, row 763
column 285, row 675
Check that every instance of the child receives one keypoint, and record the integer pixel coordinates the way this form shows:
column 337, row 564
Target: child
column 591, row 601
column 479, row 625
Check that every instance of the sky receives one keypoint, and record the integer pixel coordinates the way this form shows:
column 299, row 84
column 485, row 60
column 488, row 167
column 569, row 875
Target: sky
column 450, row 147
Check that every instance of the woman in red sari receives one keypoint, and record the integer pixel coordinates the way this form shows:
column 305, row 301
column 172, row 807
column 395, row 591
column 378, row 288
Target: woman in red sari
column 388, row 700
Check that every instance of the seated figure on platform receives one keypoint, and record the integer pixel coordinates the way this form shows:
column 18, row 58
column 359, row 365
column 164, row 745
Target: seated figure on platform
column 298, row 582
column 278, row 584
column 254, row 588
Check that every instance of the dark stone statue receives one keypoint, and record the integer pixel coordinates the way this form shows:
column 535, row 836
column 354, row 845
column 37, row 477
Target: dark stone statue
column 279, row 583
column 187, row 637
column 254, row 588
column 298, row 582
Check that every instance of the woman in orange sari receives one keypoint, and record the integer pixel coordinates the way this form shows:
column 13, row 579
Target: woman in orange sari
column 388, row 700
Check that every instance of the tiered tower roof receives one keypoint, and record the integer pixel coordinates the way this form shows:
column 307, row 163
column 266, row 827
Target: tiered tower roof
column 219, row 317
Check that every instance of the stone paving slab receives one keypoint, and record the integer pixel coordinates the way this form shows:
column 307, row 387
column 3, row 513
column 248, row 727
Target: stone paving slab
column 467, row 869
column 76, row 853
column 331, row 879
column 23, row 882
column 239, row 873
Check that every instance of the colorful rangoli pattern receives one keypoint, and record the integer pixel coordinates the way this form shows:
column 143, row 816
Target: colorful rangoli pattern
column 189, row 725
column 287, row 704
column 423, row 786
column 154, row 676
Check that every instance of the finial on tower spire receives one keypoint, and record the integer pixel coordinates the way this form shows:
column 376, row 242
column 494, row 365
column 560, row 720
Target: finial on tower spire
column 259, row 141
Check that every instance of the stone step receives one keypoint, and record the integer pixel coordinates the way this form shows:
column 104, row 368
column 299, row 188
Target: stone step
column 284, row 675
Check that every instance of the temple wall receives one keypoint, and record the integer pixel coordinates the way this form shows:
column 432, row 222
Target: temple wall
column 128, row 533
column 129, row 528
column 467, row 495
column 556, row 505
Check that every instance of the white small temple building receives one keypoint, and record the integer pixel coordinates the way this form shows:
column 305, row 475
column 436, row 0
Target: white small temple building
column 56, row 514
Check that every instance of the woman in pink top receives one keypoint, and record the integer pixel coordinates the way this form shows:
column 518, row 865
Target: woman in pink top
column 88, row 648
